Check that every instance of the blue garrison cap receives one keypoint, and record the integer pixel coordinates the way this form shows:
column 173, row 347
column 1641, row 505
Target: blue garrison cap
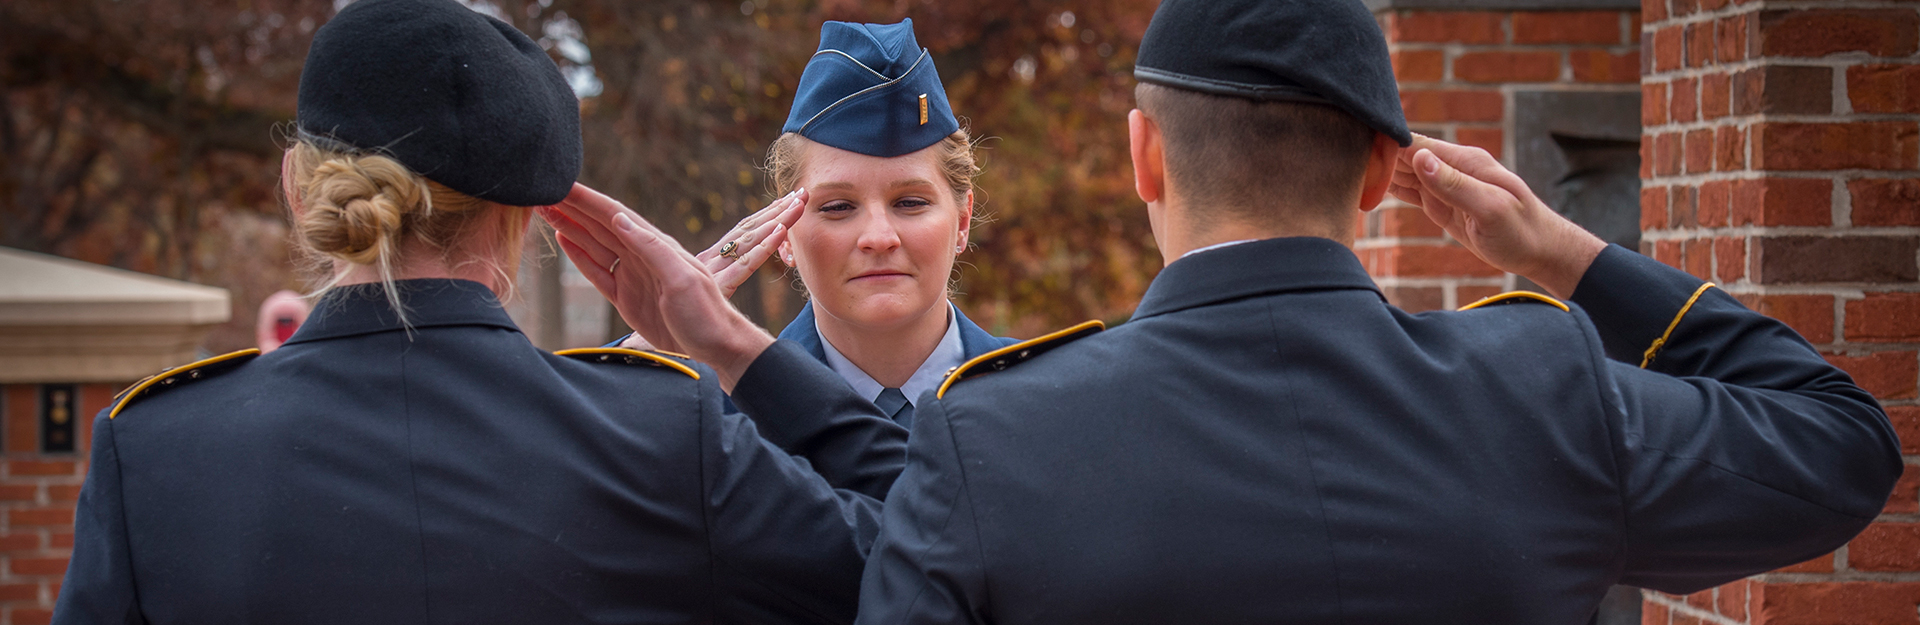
column 871, row 89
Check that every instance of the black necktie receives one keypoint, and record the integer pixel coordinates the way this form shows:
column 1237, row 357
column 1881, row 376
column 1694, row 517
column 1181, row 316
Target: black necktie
column 894, row 403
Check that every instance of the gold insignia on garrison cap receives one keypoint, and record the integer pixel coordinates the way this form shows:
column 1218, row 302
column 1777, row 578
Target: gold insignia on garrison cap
column 180, row 376
column 1511, row 297
column 621, row 355
column 1000, row 359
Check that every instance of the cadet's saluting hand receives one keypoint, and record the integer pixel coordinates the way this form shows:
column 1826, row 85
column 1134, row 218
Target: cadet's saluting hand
column 1491, row 211
column 665, row 294
column 751, row 242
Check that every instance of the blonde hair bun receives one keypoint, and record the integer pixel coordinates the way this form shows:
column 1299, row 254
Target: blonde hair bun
column 356, row 206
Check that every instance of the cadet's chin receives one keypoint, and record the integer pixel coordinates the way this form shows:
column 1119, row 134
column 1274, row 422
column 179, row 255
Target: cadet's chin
column 885, row 308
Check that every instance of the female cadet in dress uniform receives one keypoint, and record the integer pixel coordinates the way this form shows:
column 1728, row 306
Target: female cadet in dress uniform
column 409, row 457
column 882, row 174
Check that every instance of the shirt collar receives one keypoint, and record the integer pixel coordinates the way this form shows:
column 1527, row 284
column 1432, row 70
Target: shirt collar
column 948, row 354
column 1215, row 247
column 1254, row 268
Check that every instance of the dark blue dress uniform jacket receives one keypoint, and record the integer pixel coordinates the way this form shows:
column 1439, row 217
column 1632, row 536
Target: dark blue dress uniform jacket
column 973, row 340
column 453, row 473
column 1267, row 441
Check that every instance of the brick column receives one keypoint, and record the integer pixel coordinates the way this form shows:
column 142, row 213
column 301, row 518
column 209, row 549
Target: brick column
column 1458, row 72
column 37, row 495
column 1780, row 160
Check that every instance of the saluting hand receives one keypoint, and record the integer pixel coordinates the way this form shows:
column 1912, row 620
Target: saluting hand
column 663, row 292
column 752, row 242
column 1493, row 213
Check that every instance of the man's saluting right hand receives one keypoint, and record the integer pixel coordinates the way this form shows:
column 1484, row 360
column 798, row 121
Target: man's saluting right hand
column 1491, row 211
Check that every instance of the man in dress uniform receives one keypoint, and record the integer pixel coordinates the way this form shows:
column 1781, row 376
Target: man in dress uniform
column 1267, row 440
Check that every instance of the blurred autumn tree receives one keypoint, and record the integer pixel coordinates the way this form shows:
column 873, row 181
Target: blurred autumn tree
column 145, row 134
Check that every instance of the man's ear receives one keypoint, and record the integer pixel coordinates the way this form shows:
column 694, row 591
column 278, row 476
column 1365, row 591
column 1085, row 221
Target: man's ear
column 1149, row 156
column 1379, row 171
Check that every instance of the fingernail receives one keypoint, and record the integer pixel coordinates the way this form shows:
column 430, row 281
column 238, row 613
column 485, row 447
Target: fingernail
column 1432, row 163
column 625, row 223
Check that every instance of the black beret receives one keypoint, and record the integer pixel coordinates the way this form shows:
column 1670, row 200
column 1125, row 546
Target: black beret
column 1315, row 51
column 461, row 98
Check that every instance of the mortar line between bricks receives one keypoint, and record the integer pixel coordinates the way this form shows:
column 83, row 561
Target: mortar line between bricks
column 1694, row 232
column 1844, row 175
column 1779, row 118
column 1682, row 607
column 1838, row 61
column 1846, row 576
column 1754, row 8
column 1840, row 295
column 1455, row 85
column 1454, row 46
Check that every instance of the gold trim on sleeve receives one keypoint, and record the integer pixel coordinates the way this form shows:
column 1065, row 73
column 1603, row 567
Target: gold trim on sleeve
column 1658, row 343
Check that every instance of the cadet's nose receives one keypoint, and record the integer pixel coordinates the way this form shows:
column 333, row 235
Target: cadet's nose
column 878, row 233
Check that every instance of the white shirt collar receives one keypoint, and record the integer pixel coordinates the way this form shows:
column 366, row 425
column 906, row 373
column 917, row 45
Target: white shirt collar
column 947, row 355
column 1216, row 246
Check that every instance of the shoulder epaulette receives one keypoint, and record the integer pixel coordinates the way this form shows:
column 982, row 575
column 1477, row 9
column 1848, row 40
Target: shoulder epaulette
column 624, row 356
column 1000, row 359
column 1511, row 297
column 176, row 376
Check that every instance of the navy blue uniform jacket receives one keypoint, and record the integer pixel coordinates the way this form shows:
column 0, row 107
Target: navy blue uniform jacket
column 453, row 473
column 1267, row 441
column 973, row 340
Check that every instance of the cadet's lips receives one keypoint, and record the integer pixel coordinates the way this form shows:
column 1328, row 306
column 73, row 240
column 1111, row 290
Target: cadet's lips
column 881, row 273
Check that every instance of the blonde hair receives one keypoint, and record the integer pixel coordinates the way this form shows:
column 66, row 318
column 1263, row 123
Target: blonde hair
column 785, row 160
column 369, row 209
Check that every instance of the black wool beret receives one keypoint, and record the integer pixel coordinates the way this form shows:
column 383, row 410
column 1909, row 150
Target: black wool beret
column 1315, row 51
column 461, row 98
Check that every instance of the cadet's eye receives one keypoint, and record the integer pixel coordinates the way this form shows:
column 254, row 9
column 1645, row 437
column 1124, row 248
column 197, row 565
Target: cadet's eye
column 837, row 206
column 911, row 203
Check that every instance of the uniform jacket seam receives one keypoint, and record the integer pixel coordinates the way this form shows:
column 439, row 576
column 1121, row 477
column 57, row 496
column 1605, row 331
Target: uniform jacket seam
column 1293, row 405
column 966, row 490
column 413, row 484
column 126, row 539
column 1743, row 477
column 706, row 511
column 1595, row 369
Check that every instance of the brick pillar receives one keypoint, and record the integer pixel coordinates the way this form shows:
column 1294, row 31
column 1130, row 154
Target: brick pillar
column 1780, row 160
column 1459, row 71
column 37, row 495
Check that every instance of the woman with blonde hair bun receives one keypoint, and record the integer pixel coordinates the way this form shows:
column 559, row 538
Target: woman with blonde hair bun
column 407, row 456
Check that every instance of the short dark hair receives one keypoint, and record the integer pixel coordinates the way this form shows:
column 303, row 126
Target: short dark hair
column 1240, row 157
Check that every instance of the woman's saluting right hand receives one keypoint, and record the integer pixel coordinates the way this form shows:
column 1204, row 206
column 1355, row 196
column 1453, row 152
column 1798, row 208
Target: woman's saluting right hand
column 665, row 294
column 751, row 242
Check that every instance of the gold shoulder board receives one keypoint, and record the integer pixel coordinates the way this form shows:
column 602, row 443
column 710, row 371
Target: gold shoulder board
column 624, row 356
column 1000, row 359
column 181, row 375
column 1511, row 297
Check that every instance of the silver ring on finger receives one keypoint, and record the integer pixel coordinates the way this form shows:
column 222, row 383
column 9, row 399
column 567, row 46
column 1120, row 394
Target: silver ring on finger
column 614, row 267
column 731, row 250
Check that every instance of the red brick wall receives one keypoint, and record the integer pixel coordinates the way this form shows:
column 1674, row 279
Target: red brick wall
column 1781, row 158
column 1458, row 71
column 37, row 495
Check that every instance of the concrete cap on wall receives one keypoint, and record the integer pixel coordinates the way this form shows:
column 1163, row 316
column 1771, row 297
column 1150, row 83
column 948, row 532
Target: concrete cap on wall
column 63, row 320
